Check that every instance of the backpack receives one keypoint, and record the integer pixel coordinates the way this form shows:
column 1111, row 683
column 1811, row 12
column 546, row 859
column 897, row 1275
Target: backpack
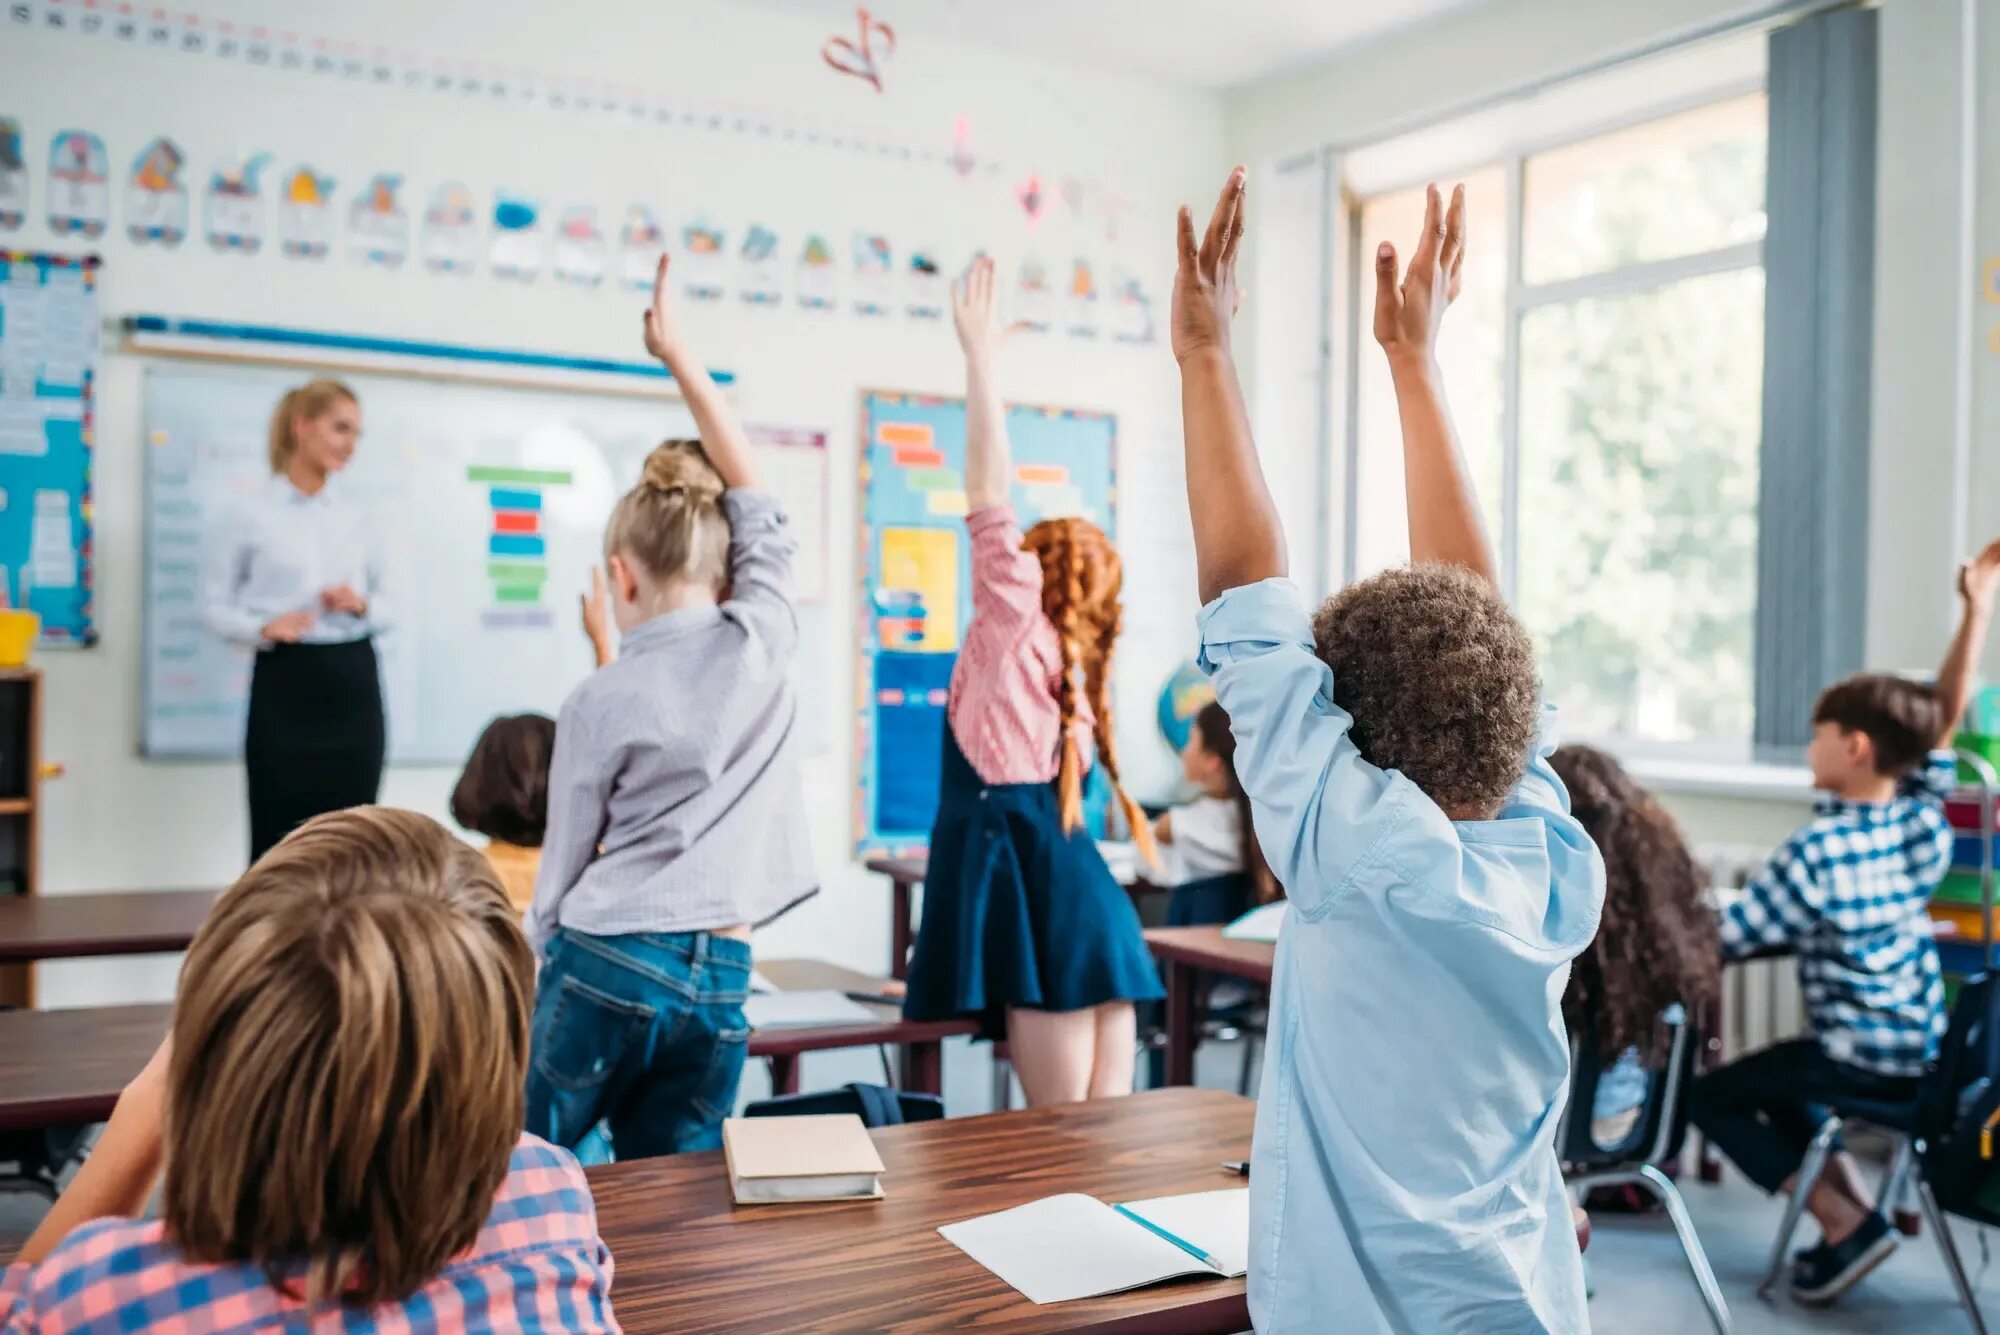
column 1958, row 1111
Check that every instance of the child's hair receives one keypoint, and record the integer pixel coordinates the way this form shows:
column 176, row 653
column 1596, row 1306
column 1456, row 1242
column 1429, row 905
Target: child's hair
column 1082, row 578
column 504, row 791
column 1904, row 719
column 672, row 523
column 1213, row 725
column 1439, row 678
column 308, row 401
column 1656, row 946
column 350, row 1046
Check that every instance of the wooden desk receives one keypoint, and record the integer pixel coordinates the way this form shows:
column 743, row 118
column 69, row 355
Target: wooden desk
column 137, row 922
column 1187, row 952
column 921, row 1041
column 689, row 1261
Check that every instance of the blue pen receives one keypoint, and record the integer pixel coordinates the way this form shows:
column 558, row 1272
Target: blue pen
column 1188, row 1247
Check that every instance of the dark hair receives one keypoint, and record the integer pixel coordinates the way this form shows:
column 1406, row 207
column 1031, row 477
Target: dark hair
column 1212, row 723
column 1656, row 945
column 1904, row 719
column 1439, row 678
column 504, row 792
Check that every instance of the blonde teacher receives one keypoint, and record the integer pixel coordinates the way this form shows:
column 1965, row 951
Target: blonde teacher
column 295, row 572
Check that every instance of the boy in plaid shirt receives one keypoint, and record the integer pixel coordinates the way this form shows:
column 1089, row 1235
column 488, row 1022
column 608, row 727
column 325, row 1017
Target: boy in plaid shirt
column 1848, row 893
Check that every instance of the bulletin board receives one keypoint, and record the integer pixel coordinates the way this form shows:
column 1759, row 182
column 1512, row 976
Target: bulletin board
column 48, row 365
column 916, row 580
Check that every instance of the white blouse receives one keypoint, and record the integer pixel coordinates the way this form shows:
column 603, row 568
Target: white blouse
column 276, row 551
column 1207, row 840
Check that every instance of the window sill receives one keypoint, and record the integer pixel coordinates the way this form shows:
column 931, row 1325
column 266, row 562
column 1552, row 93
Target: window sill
column 1717, row 778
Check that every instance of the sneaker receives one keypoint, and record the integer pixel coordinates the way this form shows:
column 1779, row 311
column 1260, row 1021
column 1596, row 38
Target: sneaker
column 1823, row 1273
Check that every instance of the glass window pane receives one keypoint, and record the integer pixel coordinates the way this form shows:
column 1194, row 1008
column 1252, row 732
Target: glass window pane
column 1471, row 351
column 1640, row 418
column 1676, row 186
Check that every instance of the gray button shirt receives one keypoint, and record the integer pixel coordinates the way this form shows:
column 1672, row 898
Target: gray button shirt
column 674, row 796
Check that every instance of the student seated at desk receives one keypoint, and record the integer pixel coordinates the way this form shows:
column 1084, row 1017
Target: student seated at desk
column 1208, row 852
column 504, row 795
column 338, row 1109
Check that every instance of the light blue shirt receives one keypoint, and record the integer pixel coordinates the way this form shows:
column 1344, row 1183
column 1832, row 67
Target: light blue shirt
column 1405, row 1175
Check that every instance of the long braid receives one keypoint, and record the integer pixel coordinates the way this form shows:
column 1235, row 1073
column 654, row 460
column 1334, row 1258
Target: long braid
column 1097, row 674
column 1062, row 603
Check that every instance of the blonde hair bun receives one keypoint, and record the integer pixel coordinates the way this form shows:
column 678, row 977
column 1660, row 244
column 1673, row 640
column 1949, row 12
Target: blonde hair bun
column 682, row 466
column 672, row 521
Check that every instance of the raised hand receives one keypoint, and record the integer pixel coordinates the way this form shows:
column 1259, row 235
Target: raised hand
column 287, row 629
column 974, row 312
column 1408, row 313
column 597, row 617
column 1205, row 293
column 663, row 339
column 1979, row 578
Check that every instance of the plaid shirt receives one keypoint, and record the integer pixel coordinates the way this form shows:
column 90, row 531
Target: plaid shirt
column 538, row 1265
column 1849, row 892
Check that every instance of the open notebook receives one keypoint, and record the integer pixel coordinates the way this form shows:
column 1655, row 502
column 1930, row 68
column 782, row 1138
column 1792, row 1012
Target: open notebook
column 1064, row 1247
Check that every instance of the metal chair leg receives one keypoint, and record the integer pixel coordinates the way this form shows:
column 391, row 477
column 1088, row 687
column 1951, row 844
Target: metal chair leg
column 1949, row 1246
column 1003, row 1083
column 1808, row 1178
column 1669, row 1195
column 1890, row 1199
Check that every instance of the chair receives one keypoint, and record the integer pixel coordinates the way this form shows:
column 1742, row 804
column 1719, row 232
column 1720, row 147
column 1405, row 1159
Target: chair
column 1636, row 1161
column 875, row 1105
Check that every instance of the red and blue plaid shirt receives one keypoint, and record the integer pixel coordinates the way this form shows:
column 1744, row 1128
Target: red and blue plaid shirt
column 538, row 1265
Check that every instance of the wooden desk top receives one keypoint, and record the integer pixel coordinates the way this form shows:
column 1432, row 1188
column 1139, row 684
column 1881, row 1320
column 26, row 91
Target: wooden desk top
column 818, row 975
column 135, row 922
column 904, row 870
column 1207, row 948
column 688, row 1260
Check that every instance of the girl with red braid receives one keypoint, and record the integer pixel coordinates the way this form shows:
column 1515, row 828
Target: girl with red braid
column 1023, row 925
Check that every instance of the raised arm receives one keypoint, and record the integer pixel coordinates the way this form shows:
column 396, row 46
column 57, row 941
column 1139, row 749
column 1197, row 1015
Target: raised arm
column 1977, row 581
column 1444, row 513
column 987, row 457
column 722, row 437
column 1238, row 538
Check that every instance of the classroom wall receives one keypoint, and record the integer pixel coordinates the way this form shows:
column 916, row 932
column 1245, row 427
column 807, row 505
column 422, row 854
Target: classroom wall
column 115, row 821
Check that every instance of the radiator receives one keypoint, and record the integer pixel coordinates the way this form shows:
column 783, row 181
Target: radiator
column 1760, row 999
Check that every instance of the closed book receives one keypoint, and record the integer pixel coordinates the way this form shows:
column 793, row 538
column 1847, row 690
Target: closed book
column 773, row 1159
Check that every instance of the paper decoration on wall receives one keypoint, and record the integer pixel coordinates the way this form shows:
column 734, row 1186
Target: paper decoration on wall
column 156, row 200
column 450, row 241
column 759, row 281
column 1034, row 300
column 640, row 242
column 873, row 263
column 1033, row 199
column 1111, row 206
column 79, row 185
column 1131, row 311
column 305, row 214
column 13, row 176
column 701, row 263
column 1072, row 194
column 818, row 280
column 1082, row 320
column 962, row 161
column 232, row 208
column 925, row 286
column 378, row 231
column 860, row 57
column 580, row 247
column 516, row 248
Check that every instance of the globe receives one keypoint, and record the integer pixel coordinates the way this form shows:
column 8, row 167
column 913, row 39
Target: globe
column 1186, row 691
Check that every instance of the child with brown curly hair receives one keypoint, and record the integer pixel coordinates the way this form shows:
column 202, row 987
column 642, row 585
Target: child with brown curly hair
column 1023, row 925
column 1396, row 756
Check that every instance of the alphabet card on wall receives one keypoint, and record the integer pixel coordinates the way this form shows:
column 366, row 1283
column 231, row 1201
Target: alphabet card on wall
column 13, row 176
column 378, row 230
column 516, row 249
column 701, row 264
column 925, row 286
column 305, row 214
column 818, row 279
column 79, row 185
column 640, row 242
column 759, row 279
column 232, row 207
column 1034, row 300
column 1082, row 319
column 874, row 265
column 580, row 247
column 451, row 231
column 1131, row 311
column 156, row 200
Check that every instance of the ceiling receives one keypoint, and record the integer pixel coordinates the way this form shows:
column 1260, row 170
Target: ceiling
column 1207, row 43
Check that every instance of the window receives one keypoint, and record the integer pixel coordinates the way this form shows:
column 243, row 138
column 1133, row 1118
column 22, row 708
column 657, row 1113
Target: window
column 1606, row 379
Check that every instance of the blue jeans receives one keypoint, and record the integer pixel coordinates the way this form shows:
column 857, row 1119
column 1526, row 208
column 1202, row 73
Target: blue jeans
column 645, row 1033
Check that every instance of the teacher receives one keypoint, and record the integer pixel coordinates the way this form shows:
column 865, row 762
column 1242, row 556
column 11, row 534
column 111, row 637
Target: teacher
column 295, row 572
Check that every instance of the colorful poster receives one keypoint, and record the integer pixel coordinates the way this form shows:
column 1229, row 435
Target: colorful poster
column 79, row 185
column 1034, row 299
column 233, row 206
column 516, row 249
column 1082, row 319
column 579, row 247
column 516, row 547
column 13, row 176
column 817, row 280
column 156, row 200
column 1131, row 311
column 873, row 265
column 378, row 231
column 305, row 214
column 758, row 278
column 925, row 288
column 640, row 242
column 700, row 263
column 451, row 231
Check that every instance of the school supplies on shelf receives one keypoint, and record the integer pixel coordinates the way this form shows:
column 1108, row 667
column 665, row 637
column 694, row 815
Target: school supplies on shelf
column 1072, row 1246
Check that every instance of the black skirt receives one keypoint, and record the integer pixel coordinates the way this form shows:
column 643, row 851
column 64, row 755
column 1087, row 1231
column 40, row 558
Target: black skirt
column 315, row 738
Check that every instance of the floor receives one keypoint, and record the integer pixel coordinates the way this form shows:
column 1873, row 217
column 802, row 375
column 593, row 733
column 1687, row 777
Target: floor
column 1639, row 1282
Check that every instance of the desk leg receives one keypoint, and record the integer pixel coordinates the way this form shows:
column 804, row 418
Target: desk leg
column 784, row 1073
column 923, row 1068
column 899, row 929
column 1180, row 1023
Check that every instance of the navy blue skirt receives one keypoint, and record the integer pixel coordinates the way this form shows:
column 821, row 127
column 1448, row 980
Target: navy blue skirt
column 1016, row 912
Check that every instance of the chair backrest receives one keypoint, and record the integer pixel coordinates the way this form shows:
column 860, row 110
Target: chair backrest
column 875, row 1105
column 1662, row 1121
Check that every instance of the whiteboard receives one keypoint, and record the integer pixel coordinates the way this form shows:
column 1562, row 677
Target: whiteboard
column 472, row 637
